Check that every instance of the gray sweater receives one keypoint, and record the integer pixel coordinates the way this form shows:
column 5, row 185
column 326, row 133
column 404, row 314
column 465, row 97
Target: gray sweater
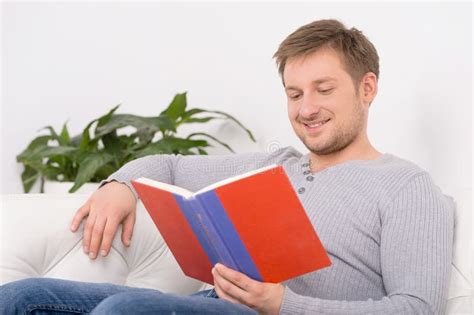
column 387, row 228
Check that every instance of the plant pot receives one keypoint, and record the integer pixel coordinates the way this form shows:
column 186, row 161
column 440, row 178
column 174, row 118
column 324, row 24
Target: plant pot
column 51, row 187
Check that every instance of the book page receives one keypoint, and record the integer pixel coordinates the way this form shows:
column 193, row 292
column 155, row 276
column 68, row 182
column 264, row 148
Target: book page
column 234, row 178
column 167, row 187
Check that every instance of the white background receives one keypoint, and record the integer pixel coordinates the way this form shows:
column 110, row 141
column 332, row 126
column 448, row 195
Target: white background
column 74, row 61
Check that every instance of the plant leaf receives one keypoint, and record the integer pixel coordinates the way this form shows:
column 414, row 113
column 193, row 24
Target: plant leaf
column 113, row 145
column 105, row 119
column 89, row 166
column 192, row 111
column 163, row 122
column 28, row 178
column 52, row 132
column 177, row 107
column 200, row 120
column 86, row 142
column 52, row 172
column 52, row 151
column 213, row 138
column 195, row 111
column 202, row 151
column 186, row 117
column 183, row 151
column 104, row 172
column 76, row 140
column 150, row 124
column 41, row 141
column 86, row 137
column 171, row 145
column 64, row 135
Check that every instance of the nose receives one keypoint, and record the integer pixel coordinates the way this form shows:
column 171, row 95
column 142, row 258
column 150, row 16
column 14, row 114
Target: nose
column 309, row 106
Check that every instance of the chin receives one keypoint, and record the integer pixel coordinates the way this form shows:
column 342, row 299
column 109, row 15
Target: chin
column 319, row 145
column 312, row 145
column 317, row 150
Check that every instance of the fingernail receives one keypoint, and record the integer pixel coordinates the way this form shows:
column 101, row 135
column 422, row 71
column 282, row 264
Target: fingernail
column 86, row 249
column 103, row 253
column 73, row 227
column 127, row 242
column 91, row 255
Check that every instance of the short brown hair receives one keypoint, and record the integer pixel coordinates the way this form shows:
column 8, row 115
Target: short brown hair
column 357, row 53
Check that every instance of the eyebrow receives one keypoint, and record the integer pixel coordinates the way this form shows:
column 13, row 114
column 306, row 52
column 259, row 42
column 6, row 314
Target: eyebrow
column 318, row 81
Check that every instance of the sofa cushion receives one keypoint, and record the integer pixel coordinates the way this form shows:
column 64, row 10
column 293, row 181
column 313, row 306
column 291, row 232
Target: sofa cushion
column 37, row 242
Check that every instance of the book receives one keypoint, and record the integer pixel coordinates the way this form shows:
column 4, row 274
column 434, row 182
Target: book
column 253, row 223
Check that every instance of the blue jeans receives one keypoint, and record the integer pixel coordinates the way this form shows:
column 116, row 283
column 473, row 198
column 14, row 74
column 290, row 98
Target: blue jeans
column 55, row 296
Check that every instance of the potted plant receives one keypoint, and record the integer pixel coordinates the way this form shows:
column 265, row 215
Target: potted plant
column 100, row 149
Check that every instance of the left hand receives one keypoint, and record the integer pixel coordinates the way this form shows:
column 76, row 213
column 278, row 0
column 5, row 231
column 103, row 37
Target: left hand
column 236, row 287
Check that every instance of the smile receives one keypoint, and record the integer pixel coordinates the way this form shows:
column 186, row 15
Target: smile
column 315, row 126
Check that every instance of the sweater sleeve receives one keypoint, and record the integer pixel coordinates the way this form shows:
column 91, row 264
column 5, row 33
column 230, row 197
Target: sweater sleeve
column 416, row 251
column 194, row 172
column 158, row 167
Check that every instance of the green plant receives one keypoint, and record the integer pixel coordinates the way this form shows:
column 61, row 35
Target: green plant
column 100, row 150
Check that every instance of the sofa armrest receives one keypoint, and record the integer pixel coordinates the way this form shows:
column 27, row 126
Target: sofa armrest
column 36, row 242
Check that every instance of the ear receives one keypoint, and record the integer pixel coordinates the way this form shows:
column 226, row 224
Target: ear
column 368, row 88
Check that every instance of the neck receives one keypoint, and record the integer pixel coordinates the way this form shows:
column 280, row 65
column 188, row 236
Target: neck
column 362, row 150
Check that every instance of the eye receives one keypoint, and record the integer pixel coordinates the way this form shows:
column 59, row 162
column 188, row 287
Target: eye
column 326, row 91
column 294, row 97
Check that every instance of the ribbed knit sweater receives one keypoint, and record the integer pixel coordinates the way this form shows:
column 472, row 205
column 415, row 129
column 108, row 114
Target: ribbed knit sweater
column 387, row 228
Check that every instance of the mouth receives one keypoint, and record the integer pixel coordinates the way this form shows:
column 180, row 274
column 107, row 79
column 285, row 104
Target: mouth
column 315, row 126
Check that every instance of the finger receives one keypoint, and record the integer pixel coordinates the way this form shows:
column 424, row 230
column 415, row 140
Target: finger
column 127, row 228
column 88, row 232
column 222, row 295
column 82, row 212
column 229, row 288
column 97, row 232
column 235, row 277
column 220, row 291
column 108, row 237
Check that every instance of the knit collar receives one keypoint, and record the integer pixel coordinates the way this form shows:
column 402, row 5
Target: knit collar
column 305, row 163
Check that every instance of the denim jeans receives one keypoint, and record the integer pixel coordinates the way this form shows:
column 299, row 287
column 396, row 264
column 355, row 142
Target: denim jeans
column 55, row 296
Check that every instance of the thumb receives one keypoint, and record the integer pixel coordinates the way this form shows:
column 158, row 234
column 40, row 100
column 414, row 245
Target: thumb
column 127, row 228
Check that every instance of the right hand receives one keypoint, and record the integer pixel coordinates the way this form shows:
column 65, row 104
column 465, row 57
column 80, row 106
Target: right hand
column 109, row 206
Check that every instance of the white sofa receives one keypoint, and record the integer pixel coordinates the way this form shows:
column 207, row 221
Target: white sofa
column 36, row 242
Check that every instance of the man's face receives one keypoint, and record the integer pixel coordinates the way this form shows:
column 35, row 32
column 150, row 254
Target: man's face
column 324, row 107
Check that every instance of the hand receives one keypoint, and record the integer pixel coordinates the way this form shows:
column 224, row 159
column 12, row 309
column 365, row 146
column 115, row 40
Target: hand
column 108, row 206
column 236, row 287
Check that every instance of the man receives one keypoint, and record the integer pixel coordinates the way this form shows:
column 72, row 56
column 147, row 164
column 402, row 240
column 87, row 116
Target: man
column 387, row 228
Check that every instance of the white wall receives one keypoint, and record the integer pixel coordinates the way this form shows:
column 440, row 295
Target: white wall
column 74, row 61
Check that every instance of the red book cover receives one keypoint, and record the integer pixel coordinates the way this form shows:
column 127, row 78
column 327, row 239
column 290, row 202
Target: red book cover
column 253, row 223
column 176, row 231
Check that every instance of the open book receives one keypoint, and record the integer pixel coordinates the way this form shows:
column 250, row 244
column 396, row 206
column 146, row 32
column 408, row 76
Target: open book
column 253, row 223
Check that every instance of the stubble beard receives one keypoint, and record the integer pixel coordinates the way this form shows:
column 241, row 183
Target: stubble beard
column 340, row 137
